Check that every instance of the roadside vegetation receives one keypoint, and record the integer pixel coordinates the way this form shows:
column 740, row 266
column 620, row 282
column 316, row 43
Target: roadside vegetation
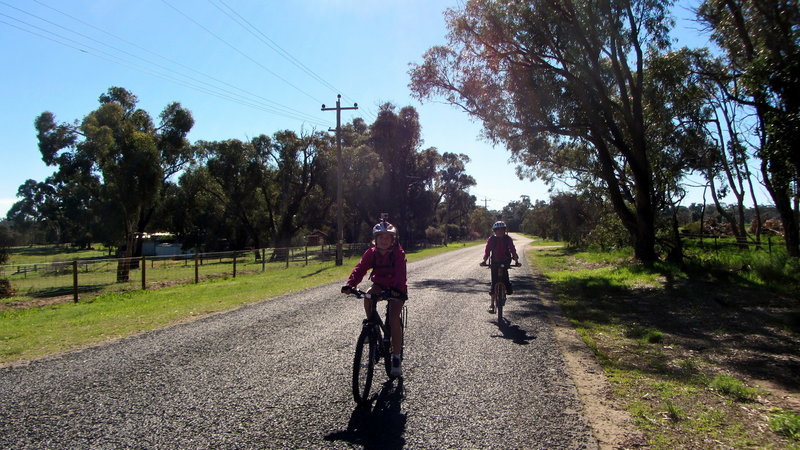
column 27, row 333
column 704, row 355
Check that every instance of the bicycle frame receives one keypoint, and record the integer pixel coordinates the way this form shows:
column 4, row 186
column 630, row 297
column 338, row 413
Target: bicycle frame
column 499, row 287
column 376, row 338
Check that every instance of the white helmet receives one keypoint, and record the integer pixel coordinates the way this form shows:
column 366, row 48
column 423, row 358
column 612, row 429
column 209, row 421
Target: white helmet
column 498, row 224
column 383, row 227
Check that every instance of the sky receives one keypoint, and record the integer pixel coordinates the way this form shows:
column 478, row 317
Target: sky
column 242, row 67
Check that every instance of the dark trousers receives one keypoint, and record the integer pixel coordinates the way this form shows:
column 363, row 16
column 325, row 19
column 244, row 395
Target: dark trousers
column 497, row 272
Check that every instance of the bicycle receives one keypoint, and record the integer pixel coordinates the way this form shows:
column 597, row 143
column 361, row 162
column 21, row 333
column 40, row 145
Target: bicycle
column 499, row 288
column 373, row 344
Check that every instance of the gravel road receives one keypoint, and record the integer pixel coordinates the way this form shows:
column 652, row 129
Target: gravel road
column 277, row 375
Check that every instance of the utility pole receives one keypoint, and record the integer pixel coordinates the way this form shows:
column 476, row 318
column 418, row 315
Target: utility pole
column 339, row 227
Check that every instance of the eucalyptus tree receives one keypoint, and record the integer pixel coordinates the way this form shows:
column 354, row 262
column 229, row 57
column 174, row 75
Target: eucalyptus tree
column 120, row 149
column 761, row 41
column 563, row 84
column 726, row 161
column 226, row 187
column 292, row 192
column 403, row 189
column 452, row 184
column 396, row 137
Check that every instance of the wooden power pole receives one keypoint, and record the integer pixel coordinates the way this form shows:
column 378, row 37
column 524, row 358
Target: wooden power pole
column 339, row 226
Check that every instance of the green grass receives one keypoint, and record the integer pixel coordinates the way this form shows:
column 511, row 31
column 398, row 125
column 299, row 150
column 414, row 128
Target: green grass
column 35, row 332
column 733, row 387
column 656, row 332
column 786, row 423
column 36, row 254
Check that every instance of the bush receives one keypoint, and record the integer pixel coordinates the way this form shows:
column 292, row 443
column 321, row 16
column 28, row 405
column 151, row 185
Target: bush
column 434, row 235
column 786, row 423
column 5, row 289
column 732, row 387
column 609, row 234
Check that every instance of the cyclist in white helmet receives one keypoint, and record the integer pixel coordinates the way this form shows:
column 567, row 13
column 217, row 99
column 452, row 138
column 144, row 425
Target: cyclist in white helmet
column 501, row 248
column 387, row 259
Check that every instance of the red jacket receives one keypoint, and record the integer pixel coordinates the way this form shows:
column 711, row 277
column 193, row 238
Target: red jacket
column 500, row 249
column 388, row 271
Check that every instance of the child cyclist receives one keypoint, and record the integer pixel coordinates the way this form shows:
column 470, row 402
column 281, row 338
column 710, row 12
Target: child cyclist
column 502, row 250
column 387, row 260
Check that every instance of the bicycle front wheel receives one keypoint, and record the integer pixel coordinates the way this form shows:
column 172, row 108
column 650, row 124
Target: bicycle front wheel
column 364, row 366
column 500, row 299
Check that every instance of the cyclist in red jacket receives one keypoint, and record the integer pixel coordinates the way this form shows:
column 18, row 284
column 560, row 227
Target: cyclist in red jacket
column 502, row 250
column 387, row 259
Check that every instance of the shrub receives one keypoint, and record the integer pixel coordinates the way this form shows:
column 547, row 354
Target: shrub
column 434, row 235
column 786, row 423
column 733, row 387
column 5, row 289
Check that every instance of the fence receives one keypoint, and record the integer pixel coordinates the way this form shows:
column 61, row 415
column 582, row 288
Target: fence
column 717, row 242
column 90, row 277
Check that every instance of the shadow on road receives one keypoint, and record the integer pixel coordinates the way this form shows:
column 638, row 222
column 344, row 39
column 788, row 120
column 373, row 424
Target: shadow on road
column 513, row 332
column 380, row 424
column 464, row 286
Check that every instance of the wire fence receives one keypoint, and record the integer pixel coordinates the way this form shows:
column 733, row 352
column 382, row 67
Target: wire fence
column 717, row 243
column 85, row 278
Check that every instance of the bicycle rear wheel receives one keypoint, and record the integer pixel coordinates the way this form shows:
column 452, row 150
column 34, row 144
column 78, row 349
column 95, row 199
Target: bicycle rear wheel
column 364, row 365
column 387, row 361
column 500, row 299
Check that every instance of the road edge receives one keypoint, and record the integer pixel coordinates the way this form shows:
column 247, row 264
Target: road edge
column 612, row 426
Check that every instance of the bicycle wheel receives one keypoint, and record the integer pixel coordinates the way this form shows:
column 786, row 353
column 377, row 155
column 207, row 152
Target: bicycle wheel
column 500, row 299
column 364, row 365
column 387, row 348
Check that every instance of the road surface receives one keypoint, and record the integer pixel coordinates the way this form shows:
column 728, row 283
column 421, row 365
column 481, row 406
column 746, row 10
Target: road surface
column 277, row 374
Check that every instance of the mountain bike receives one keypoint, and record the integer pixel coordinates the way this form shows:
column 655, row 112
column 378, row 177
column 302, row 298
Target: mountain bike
column 499, row 288
column 373, row 344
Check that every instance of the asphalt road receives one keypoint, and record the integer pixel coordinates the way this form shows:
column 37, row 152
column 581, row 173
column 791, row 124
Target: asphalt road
column 277, row 375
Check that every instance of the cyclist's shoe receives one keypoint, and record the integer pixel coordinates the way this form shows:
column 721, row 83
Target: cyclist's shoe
column 491, row 309
column 397, row 367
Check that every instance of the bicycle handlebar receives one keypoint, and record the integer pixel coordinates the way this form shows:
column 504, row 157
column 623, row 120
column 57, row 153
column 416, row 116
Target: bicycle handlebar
column 384, row 295
column 483, row 264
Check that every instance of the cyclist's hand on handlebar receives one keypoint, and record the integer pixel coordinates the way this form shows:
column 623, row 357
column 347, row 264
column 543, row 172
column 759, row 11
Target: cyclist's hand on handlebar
column 347, row 289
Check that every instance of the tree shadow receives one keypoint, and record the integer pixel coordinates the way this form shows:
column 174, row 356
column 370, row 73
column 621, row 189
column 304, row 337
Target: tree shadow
column 317, row 272
column 740, row 328
column 381, row 424
column 465, row 286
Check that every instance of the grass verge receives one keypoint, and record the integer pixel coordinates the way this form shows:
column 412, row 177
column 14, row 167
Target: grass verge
column 700, row 361
column 35, row 332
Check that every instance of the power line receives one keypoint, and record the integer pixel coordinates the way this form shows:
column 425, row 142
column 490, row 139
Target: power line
column 114, row 59
column 276, row 105
column 244, row 23
column 260, row 35
column 241, row 52
column 208, row 88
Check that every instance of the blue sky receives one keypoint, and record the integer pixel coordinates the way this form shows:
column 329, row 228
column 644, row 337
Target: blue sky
column 60, row 55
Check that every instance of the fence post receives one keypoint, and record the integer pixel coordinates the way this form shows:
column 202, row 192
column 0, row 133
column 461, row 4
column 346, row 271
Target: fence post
column 234, row 264
column 75, row 281
column 288, row 249
column 196, row 264
column 306, row 254
column 263, row 259
column 144, row 271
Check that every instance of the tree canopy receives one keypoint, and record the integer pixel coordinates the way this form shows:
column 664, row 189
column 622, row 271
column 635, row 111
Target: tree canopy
column 564, row 85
